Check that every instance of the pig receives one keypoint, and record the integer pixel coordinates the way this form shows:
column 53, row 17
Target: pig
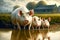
column 22, row 17
column 36, row 22
column 46, row 22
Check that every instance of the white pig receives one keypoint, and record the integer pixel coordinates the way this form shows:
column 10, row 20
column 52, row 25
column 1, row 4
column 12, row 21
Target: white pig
column 36, row 22
column 22, row 17
column 46, row 22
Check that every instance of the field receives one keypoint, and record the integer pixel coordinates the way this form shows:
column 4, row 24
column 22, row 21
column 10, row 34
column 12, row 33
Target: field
column 5, row 19
column 47, row 15
column 55, row 18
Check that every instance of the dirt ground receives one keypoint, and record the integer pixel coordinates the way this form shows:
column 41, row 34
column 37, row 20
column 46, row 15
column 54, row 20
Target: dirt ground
column 55, row 27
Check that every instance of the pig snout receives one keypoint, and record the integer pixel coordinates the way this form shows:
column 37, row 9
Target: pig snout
column 26, row 22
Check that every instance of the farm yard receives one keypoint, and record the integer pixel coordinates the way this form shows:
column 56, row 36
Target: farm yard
column 8, row 34
column 29, row 20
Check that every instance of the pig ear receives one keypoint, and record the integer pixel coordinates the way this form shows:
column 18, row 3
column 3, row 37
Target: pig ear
column 31, row 12
column 19, row 12
column 49, row 19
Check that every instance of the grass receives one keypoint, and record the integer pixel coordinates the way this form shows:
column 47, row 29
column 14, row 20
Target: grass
column 55, row 17
column 5, row 20
column 5, row 17
column 47, row 14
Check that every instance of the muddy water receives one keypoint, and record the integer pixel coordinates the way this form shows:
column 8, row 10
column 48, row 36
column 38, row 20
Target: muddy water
column 51, row 34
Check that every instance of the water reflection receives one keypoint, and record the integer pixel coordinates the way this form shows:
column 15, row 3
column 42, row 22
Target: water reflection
column 29, row 35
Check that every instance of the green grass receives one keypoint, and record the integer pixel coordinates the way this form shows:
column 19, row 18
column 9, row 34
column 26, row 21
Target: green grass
column 6, row 18
column 47, row 14
column 55, row 18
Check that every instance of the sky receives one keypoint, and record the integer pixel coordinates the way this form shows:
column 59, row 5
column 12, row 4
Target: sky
column 7, row 5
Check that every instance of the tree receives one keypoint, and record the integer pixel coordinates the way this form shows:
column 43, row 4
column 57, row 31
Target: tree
column 31, row 5
column 41, row 3
column 15, row 7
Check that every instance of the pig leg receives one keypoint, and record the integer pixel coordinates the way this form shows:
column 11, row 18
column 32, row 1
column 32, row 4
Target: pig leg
column 18, row 26
column 29, row 26
column 24, row 27
column 39, row 27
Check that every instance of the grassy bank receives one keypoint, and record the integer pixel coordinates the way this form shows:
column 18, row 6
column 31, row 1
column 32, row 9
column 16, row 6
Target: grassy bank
column 47, row 15
column 6, row 18
column 55, row 18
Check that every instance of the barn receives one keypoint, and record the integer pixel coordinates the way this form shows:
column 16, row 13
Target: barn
column 45, row 8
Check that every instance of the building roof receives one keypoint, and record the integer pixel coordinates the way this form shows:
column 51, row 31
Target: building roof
column 46, row 7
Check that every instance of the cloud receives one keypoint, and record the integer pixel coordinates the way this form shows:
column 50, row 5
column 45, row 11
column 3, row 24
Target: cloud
column 1, row 2
column 9, row 4
column 53, row 2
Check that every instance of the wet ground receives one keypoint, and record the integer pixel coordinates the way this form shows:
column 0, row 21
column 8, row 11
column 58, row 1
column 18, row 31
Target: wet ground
column 43, row 34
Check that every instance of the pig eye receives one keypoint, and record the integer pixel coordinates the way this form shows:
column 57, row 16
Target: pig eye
column 27, row 12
